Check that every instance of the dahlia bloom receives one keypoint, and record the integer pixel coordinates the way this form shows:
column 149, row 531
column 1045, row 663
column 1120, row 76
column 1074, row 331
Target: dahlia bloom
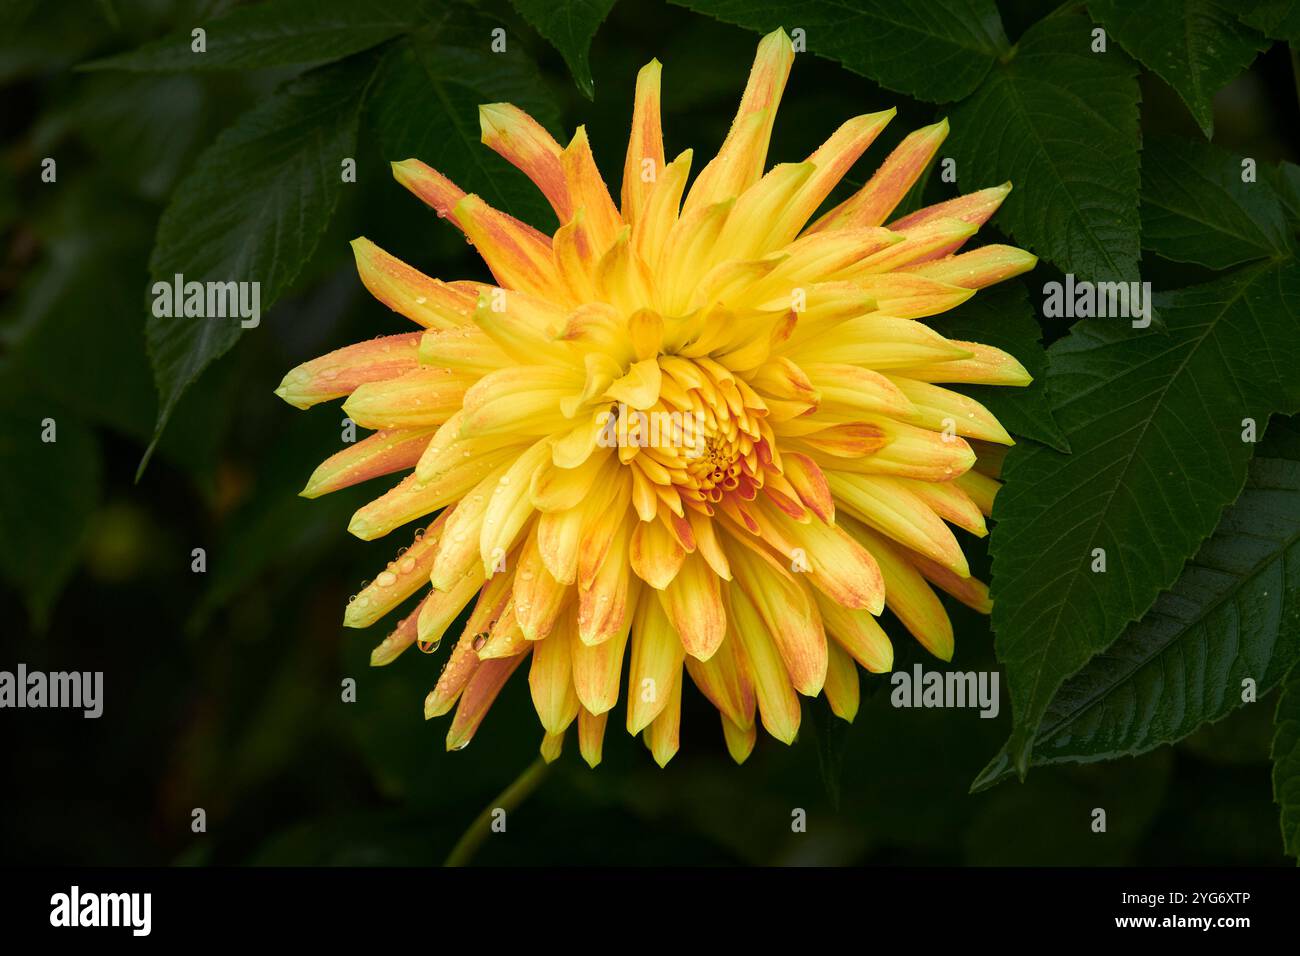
column 690, row 430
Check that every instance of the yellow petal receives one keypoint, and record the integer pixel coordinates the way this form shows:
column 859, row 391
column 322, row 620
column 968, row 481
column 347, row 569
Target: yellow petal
column 693, row 603
column 426, row 301
column 539, row 598
column 655, row 554
column 418, row 398
column 886, row 505
column 663, row 736
column 645, row 146
column 740, row 740
column 859, row 633
column 405, row 575
column 872, row 204
column 778, row 705
column 398, row 640
column 344, row 370
column 382, row 453
column 589, row 193
column 591, row 736
column 786, row 611
column 942, row 410
column 551, row 683
column 510, row 506
column 525, row 144
column 842, row 690
column 479, row 693
column 908, row 596
column 725, row 680
column 743, row 154
column 655, row 665
column 597, row 667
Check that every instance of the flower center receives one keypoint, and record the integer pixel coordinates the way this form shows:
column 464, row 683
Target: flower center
column 710, row 442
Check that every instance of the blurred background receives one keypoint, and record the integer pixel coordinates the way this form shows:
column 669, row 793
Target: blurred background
column 222, row 688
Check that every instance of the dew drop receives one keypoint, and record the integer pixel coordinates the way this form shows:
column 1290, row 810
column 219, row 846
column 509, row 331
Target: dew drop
column 408, row 565
column 386, row 580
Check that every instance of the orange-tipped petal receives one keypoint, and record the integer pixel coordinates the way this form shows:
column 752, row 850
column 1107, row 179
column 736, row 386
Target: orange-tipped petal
column 406, row 290
column 344, row 370
column 872, row 204
column 414, row 399
column 740, row 160
column 645, row 146
column 525, row 144
column 778, row 704
column 978, row 268
column 379, row 454
column 478, row 697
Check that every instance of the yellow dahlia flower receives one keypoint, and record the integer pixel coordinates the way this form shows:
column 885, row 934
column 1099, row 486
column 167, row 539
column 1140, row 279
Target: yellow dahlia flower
column 694, row 433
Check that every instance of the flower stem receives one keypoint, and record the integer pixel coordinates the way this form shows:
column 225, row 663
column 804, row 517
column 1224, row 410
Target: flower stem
column 508, row 799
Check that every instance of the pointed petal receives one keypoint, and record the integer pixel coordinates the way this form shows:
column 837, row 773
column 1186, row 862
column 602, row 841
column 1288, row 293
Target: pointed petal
column 591, row 736
column 423, row 300
column 478, row 697
column 842, row 689
column 550, row 679
column 414, row 399
column 405, row 575
column 382, row 453
column 525, row 144
column 693, row 603
column 740, row 741
column 872, row 204
column 778, row 705
column 663, row 736
column 740, row 161
column 859, row 633
column 645, row 146
column 656, row 662
column 344, row 370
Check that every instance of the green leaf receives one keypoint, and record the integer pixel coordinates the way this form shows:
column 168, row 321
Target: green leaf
column 1286, row 761
column 1286, row 179
column 252, row 210
column 1279, row 19
column 1196, row 46
column 1233, row 614
column 280, row 33
column 425, row 105
column 569, row 25
column 1195, row 207
column 1154, row 421
column 1061, row 123
column 938, row 51
column 1002, row 317
column 50, row 490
